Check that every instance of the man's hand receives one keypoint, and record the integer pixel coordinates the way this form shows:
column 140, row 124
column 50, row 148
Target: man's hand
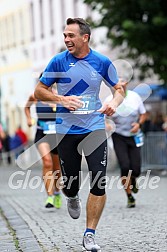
column 29, row 122
column 135, row 127
column 71, row 102
column 108, row 108
column 111, row 103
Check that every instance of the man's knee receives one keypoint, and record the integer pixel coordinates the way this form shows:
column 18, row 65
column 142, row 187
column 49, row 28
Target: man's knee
column 95, row 191
column 98, row 183
column 98, row 187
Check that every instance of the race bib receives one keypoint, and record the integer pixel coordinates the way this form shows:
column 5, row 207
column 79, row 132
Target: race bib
column 49, row 127
column 89, row 105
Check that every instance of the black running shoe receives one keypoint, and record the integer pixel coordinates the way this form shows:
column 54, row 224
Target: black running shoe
column 131, row 202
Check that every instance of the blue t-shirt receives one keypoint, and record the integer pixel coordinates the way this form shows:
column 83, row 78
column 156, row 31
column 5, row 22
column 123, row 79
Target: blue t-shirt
column 81, row 77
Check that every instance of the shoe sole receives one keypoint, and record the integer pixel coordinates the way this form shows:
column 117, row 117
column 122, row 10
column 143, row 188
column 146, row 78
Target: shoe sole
column 131, row 206
column 93, row 250
column 49, row 205
column 57, row 207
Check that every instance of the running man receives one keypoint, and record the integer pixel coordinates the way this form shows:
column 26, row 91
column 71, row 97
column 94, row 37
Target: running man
column 45, row 138
column 79, row 72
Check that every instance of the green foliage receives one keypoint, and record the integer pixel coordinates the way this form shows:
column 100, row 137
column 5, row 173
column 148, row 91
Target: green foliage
column 142, row 26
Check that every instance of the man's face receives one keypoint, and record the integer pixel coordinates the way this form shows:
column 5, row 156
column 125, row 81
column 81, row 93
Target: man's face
column 73, row 40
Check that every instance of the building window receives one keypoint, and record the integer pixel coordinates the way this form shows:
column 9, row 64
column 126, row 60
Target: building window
column 1, row 41
column 63, row 16
column 43, row 52
column 41, row 17
column 32, row 22
column 6, row 33
column 13, row 30
column 35, row 54
column 51, row 17
column 53, row 48
column 21, row 27
column 75, row 8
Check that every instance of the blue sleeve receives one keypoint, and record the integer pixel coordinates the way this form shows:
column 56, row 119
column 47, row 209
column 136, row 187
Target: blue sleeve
column 49, row 75
column 110, row 74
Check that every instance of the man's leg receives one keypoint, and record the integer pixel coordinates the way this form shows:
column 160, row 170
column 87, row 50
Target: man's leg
column 97, row 162
column 122, row 147
column 94, row 208
column 135, row 161
column 48, row 176
column 70, row 161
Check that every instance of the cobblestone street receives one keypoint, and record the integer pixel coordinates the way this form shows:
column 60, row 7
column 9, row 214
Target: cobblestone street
column 26, row 225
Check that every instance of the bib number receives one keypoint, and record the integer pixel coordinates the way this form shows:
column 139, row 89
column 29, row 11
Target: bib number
column 89, row 105
column 49, row 127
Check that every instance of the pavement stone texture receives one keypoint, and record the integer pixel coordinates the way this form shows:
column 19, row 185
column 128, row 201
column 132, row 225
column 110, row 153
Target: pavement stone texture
column 27, row 226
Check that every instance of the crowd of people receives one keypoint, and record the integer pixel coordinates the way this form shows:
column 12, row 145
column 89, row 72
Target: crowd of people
column 154, row 122
column 11, row 146
column 71, row 122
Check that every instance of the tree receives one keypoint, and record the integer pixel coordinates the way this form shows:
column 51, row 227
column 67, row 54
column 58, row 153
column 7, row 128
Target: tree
column 140, row 27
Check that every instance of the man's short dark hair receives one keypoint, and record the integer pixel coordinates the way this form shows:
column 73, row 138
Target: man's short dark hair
column 83, row 25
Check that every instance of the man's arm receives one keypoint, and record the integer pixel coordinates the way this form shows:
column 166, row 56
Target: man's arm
column 31, row 100
column 42, row 93
column 70, row 102
column 109, row 107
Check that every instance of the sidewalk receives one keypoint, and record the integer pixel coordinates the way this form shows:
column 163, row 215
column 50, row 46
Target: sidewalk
column 26, row 226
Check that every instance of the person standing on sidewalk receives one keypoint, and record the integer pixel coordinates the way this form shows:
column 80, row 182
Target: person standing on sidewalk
column 2, row 137
column 79, row 72
column 127, row 139
column 45, row 141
